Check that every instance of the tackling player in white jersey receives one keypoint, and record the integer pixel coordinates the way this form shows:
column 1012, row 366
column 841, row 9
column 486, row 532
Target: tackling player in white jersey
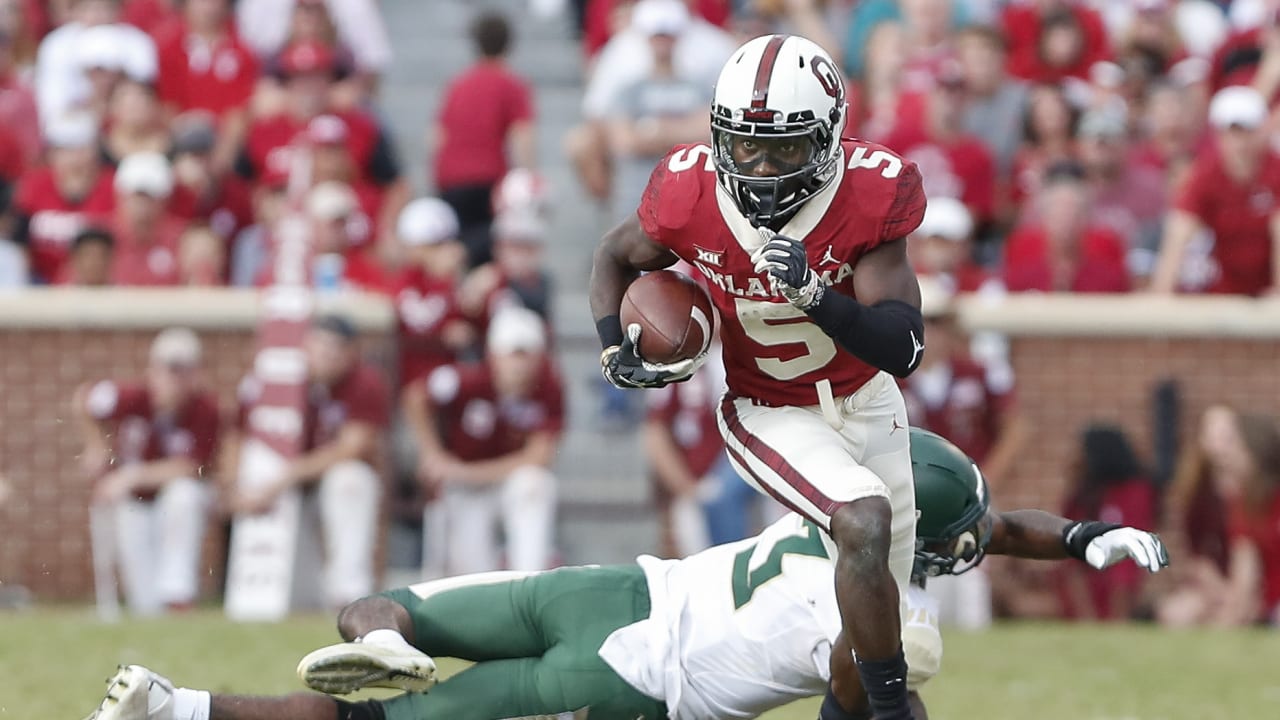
column 730, row 632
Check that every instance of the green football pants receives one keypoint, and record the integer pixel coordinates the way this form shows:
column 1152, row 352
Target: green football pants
column 534, row 639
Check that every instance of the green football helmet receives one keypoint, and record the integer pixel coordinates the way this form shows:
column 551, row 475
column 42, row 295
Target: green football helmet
column 952, row 523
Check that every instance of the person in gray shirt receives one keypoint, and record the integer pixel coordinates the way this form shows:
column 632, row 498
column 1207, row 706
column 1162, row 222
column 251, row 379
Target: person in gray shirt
column 996, row 101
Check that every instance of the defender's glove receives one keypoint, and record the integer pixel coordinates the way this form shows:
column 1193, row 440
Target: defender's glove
column 785, row 261
column 623, row 367
column 1102, row 545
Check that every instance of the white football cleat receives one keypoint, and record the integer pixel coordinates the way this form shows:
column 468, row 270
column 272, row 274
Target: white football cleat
column 135, row 693
column 347, row 667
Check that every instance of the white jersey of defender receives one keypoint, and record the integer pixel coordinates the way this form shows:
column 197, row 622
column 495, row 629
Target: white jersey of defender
column 740, row 629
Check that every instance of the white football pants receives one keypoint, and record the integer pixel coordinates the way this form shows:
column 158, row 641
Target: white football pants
column 158, row 546
column 795, row 455
column 524, row 502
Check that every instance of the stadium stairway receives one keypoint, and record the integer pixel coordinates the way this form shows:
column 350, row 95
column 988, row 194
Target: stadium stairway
column 604, row 492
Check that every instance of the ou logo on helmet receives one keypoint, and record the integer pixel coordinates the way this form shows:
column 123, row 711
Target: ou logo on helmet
column 827, row 76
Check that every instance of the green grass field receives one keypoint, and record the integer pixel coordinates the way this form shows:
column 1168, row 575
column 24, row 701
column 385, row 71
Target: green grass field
column 53, row 662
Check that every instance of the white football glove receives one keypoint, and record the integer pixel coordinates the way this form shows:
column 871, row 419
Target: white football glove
column 623, row 367
column 1112, row 546
column 784, row 259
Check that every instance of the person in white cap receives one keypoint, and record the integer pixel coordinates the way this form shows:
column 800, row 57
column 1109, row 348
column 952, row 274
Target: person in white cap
column 942, row 247
column 148, row 449
column 432, row 329
column 52, row 204
column 146, row 233
column 516, row 276
column 488, row 435
column 1232, row 191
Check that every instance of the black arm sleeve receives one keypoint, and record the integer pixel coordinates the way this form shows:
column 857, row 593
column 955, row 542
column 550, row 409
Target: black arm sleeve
column 888, row 335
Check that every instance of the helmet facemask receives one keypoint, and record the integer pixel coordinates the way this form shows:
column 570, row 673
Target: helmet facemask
column 956, row 553
column 770, row 201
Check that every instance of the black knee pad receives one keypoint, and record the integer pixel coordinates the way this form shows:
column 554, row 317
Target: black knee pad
column 367, row 710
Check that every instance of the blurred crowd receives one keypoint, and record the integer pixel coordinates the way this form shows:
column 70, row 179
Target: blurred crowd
column 1066, row 146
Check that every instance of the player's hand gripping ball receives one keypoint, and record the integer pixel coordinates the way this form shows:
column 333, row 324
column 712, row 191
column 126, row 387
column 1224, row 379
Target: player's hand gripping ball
column 667, row 324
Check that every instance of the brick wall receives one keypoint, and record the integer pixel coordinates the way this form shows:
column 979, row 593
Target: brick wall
column 44, row 539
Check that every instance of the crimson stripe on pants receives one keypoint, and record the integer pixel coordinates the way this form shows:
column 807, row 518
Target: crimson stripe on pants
column 737, row 458
column 774, row 460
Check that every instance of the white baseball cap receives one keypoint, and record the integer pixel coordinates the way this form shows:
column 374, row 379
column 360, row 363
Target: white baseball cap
column 77, row 130
column 660, row 17
column 331, row 200
column 100, row 47
column 1237, row 105
column 427, row 221
column 148, row 173
column 946, row 217
column 521, row 226
column 176, row 346
column 514, row 329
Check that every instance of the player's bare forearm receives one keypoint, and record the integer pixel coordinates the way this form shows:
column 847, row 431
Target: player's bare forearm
column 298, row 706
column 1179, row 228
column 354, row 440
column 665, row 460
column 865, row 589
column 1033, row 534
column 883, row 326
column 158, row 473
column 623, row 253
column 539, row 450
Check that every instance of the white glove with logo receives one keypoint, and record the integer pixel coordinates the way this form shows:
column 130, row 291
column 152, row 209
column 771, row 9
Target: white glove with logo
column 1102, row 545
column 784, row 259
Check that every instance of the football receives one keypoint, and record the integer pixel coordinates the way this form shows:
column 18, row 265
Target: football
column 674, row 314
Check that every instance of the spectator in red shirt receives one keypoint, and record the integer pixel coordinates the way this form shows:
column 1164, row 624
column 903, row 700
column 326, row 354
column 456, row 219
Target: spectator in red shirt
column 347, row 412
column 336, row 225
column 1241, row 464
column 308, row 71
column 1173, row 135
column 54, row 203
column 1050, row 40
column 146, row 234
column 202, row 194
column 432, row 328
column 134, row 122
column 1112, row 488
column 488, row 435
column 90, row 260
column 202, row 257
column 953, row 162
column 1231, row 191
column 147, row 447
column 486, row 112
column 1065, row 251
column 203, row 66
column 1048, row 137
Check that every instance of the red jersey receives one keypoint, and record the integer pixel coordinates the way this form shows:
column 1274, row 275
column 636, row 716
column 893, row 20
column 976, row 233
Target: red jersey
column 958, row 401
column 773, row 352
column 1263, row 532
column 477, row 424
column 154, row 17
column 227, row 210
column 962, row 169
column 688, row 411
column 425, row 305
column 217, row 76
column 147, row 262
column 359, row 396
column 1238, row 214
column 55, row 220
column 1099, row 267
column 479, row 107
column 141, row 434
column 19, row 116
column 269, row 144
column 1021, row 24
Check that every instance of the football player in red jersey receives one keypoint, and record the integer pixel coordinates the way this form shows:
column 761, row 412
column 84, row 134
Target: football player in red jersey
column 801, row 236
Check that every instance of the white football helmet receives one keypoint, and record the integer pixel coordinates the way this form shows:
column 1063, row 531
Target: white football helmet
column 773, row 88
